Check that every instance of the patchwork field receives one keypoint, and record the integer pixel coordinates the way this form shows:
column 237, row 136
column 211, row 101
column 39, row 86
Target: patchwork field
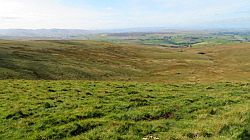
column 118, row 110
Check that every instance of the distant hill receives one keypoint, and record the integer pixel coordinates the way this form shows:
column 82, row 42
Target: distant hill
column 42, row 33
column 84, row 34
column 66, row 33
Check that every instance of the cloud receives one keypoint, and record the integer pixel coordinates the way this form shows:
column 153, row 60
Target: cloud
column 9, row 18
column 96, row 14
column 45, row 14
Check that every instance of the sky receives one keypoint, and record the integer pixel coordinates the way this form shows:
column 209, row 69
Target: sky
column 119, row 14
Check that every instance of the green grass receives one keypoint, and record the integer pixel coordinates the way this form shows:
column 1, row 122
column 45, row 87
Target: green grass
column 123, row 110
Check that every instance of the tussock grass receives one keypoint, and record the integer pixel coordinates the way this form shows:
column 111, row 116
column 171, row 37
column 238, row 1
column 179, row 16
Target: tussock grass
column 123, row 110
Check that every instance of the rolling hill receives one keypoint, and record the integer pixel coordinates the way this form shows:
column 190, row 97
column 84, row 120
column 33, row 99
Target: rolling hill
column 93, row 60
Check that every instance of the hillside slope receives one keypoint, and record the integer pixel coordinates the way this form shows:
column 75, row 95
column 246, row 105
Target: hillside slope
column 91, row 60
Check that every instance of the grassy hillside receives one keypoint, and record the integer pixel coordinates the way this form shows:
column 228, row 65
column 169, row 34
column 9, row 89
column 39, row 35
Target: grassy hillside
column 91, row 60
column 47, row 91
column 116, row 110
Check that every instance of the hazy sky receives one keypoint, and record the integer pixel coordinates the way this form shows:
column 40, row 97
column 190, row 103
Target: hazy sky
column 112, row 14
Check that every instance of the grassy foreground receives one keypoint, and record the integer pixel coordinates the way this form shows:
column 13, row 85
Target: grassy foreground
column 116, row 110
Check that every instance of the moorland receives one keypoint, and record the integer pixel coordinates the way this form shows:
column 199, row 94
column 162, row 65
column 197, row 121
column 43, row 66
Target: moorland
column 126, row 86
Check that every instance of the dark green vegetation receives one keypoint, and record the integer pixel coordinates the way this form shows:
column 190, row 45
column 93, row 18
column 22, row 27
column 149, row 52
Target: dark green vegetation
column 91, row 60
column 116, row 110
